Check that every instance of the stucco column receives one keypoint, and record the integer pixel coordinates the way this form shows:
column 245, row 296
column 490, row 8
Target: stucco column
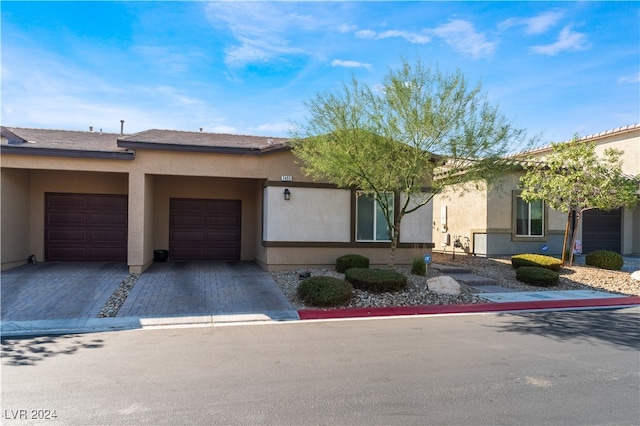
column 140, row 254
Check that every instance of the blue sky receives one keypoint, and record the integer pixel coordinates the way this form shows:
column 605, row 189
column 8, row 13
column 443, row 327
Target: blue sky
column 555, row 68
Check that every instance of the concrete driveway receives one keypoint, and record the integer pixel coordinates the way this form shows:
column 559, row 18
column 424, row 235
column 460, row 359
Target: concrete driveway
column 79, row 290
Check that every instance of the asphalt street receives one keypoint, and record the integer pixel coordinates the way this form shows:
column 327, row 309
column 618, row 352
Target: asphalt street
column 539, row 368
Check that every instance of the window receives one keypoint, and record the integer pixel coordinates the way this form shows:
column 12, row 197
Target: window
column 529, row 218
column 371, row 224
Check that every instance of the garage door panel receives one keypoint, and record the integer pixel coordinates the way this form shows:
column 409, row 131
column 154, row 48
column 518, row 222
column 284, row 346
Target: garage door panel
column 67, row 236
column 66, row 218
column 66, row 253
column 188, row 236
column 602, row 230
column 188, row 221
column 85, row 227
column 107, row 253
column 188, row 204
column 115, row 203
column 204, row 229
column 106, row 219
column 106, row 236
column 67, row 201
column 223, row 221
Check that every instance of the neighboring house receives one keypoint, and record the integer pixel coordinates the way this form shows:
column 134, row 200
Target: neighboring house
column 76, row 196
column 496, row 221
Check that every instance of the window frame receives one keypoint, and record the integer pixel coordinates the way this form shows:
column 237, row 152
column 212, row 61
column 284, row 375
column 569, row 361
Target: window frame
column 514, row 221
column 376, row 211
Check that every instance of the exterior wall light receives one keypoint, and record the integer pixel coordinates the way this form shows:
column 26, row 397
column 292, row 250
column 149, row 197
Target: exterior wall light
column 287, row 194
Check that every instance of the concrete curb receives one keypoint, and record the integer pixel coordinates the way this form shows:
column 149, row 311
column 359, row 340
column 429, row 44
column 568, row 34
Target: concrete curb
column 606, row 303
column 12, row 329
column 96, row 325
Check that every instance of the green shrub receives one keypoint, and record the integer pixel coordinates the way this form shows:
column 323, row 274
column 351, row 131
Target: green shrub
column 349, row 261
column 535, row 275
column 325, row 291
column 539, row 260
column 604, row 259
column 418, row 267
column 376, row 280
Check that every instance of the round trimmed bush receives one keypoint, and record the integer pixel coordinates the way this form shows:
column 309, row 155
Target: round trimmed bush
column 605, row 259
column 538, row 260
column 534, row 275
column 325, row 291
column 349, row 261
column 376, row 280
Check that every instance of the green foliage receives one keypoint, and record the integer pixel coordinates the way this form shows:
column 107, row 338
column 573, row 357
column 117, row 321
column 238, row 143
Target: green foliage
column 376, row 280
column 325, row 291
column 393, row 137
column 351, row 261
column 605, row 259
column 537, row 276
column 418, row 267
column 574, row 178
column 538, row 260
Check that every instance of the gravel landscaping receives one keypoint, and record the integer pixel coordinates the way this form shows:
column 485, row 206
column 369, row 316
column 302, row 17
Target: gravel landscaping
column 578, row 277
column 118, row 297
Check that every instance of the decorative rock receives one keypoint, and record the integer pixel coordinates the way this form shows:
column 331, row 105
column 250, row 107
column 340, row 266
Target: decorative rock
column 444, row 285
column 636, row 276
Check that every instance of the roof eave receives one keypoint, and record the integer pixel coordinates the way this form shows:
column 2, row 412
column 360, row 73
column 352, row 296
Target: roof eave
column 200, row 148
column 67, row 153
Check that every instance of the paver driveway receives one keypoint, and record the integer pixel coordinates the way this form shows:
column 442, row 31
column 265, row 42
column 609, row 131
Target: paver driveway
column 59, row 290
column 70, row 290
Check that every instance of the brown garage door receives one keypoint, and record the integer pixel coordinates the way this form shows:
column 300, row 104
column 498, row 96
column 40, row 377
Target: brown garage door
column 85, row 227
column 204, row 229
column 602, row 230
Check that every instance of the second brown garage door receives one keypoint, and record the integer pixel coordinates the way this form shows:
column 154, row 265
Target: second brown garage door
column 204, row 229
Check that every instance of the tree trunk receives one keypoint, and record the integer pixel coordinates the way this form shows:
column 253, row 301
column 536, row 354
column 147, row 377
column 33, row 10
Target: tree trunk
column 566, row 236
column 394, row 240
column 573, row 238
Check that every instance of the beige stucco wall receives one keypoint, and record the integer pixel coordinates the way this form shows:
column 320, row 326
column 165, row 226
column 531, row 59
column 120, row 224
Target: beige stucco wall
column 325, row 257
column 14, row 207
column 154, row 177
column 629, row 144
column 466, row 213
column 311, row 215
column 416, row 227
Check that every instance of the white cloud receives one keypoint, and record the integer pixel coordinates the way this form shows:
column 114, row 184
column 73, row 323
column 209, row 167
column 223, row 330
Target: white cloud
column 166, row 59
column 463, row 37
column 275, row 128
column 629, row 79
column 260, row 27
column 411, row 37
column 346, row 28
column 535, row 25
column 568, row 41
column 350, row 64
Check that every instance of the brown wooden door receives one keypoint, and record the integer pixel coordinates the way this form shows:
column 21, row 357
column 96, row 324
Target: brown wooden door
column 204, row 229
column 85, row 227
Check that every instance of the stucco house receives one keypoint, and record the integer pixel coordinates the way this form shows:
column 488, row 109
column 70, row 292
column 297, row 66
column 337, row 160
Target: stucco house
column 496, row 221
column 89, row 195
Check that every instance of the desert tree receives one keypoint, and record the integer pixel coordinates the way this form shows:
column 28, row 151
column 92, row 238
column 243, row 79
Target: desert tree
column 392, row 137
column 573, row 178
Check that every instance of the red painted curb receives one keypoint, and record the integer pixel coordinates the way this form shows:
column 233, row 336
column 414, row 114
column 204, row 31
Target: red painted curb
column 309, row 314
